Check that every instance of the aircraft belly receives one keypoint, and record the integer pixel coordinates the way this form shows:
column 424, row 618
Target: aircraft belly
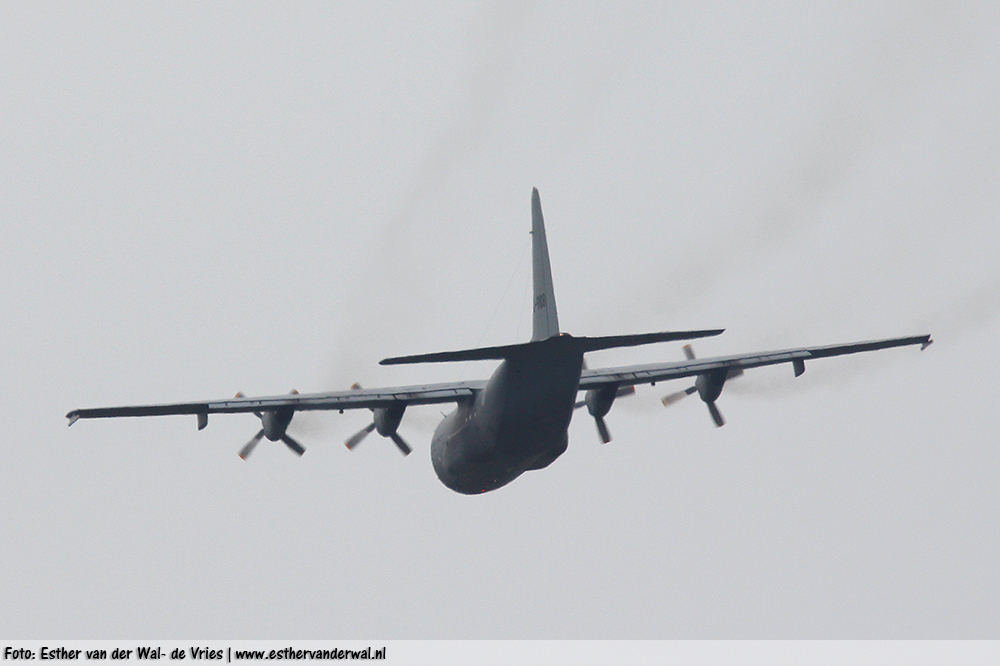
column 518, row 423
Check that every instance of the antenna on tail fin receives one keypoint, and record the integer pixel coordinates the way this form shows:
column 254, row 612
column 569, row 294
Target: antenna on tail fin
column 545, row 321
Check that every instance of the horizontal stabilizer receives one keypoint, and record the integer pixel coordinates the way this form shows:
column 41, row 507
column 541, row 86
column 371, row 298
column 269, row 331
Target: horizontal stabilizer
column 582, row 344
column 613, row 341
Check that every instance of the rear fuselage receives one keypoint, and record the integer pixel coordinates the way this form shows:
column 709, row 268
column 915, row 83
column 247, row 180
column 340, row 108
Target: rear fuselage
column 518, row 422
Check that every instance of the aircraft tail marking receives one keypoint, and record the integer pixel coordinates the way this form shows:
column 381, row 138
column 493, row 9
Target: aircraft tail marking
column 545, row 321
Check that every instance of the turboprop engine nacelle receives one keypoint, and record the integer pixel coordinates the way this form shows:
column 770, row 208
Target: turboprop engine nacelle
column 599, row 403
column 710, row 384
column 275, row 422
column 386, row 422
column 709, row 387
column 387, row 419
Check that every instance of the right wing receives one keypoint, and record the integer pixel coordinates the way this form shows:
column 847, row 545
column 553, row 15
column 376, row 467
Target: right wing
column 631, row 375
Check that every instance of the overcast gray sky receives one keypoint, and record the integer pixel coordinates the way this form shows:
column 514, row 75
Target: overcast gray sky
column 204, row 198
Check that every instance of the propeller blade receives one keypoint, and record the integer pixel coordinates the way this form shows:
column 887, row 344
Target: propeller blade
column 401, row 443
column 688, row 352
column 249, row 446
column 602, row 429
column 668, row 400
column 716, row 415
column 357, row 437
column 579, row 404
column 293, row 445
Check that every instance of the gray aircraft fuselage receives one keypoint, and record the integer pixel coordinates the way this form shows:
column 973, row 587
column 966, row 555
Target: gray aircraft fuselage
column 519, row 422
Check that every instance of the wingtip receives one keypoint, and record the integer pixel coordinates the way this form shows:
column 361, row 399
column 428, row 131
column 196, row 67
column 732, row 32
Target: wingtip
column 73, row 418
column 927, row 343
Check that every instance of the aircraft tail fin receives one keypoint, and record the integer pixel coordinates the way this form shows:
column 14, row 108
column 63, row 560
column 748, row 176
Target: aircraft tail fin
column 545, row 335
column 545, row 321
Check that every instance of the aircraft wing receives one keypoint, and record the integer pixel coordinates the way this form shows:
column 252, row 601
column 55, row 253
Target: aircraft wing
column 424, row 394
column 654, row 372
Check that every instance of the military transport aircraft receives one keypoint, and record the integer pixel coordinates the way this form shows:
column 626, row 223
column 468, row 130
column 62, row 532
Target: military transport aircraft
column 518, row 419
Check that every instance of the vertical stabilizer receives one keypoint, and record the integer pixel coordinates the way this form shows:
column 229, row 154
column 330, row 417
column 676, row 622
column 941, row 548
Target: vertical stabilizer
column 543, row 310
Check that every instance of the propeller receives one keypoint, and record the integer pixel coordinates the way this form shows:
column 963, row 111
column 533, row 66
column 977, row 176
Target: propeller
column 708, row 385
column 716, row 416
column 599, row 401
column 355, row 439
column 602, row 429
column 668, row 400
column 386, row 421
column 252, row 444
column 275, row 423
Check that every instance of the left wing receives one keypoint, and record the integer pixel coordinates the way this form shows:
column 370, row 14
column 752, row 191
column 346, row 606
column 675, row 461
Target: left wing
column 424, row 394
column 631, row 375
